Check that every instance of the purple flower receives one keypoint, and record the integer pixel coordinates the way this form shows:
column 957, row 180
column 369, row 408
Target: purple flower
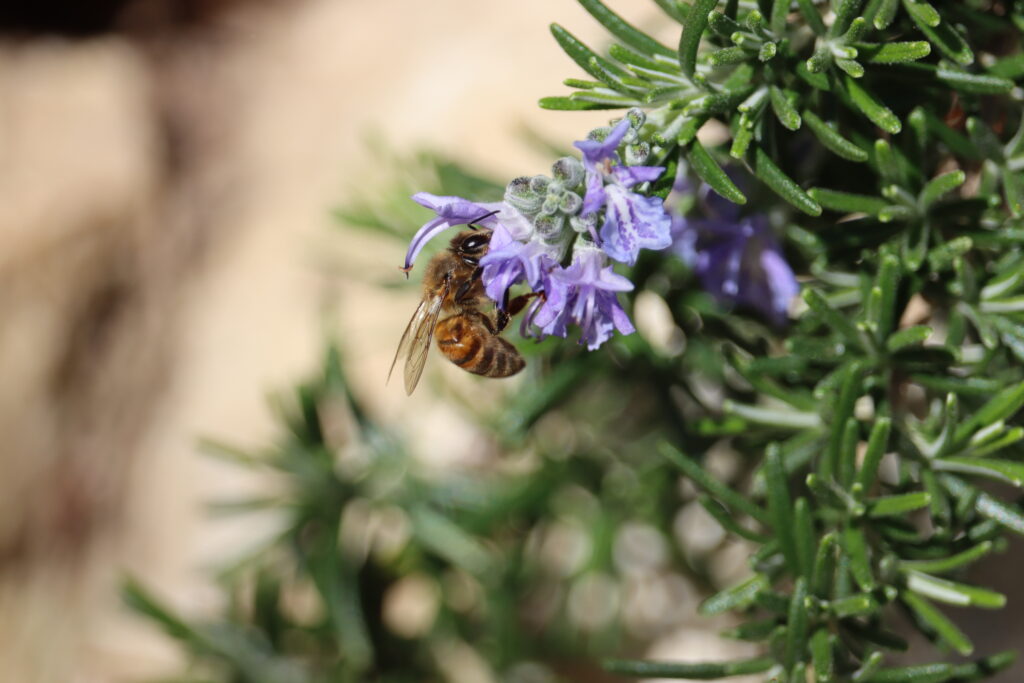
column 509, row 261
column 586, row 294
column 632, row 221
column 458, row 211
column 739, row 262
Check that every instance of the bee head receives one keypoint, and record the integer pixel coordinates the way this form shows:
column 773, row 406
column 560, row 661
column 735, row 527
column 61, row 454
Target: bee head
column 471, row 245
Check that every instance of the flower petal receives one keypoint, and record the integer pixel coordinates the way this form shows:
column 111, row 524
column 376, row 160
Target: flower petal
column 628, row 176
column 595, row 151
column 633, row 222
column 450, row 211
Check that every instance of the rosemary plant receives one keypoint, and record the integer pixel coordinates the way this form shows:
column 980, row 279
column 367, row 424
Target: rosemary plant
column 844, row 283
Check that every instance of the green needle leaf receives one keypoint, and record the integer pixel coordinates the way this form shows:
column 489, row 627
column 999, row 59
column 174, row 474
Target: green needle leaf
column 941, row 35
column 910, row 336
column 689, row 40
column 947, row 564
column 845, row 202
column 877, row 112
column 832, row 140
column 938, row 622
column 821, row 656
column 796, row 623
column 780, row 508
column 889, row 506
column 893, row 53
column 856, row 547
column 953, row 592
column 922, row 12
column 979, row 84
column 582, row 55
column 735, row 597
column 713, row 486
column 856, row 605
column 804, row 536
column 784, row 109
column 618, row 27
column 700, row 671
column 940, row 185
column 884, row 14
column 1001, row 407
column 572, row 104
column 812, row 16
column 782, row 184
column 1004, row 470
column 711, row 173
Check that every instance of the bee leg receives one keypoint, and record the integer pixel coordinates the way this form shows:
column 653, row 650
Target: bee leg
column 510, row 308
column 463, row 291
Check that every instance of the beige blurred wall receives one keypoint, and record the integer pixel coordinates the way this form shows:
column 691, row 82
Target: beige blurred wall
column 168, row 260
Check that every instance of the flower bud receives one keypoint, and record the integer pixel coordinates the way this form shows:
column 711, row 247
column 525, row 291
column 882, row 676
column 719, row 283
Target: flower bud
column 570, row 203
column 549, row 228
column 550, row 205
column 569, row 171
column 520, row 195
column 584, row 224
column 636, row 117
column 637, row 154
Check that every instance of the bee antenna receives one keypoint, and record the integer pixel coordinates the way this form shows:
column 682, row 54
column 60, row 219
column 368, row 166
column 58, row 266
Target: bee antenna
column 486, row 215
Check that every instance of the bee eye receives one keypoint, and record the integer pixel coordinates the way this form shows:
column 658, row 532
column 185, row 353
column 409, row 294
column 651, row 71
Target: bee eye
column 475, row 243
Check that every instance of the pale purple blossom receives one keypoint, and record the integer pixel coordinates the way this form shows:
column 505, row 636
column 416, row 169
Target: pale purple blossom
column 452, row 211
column 584, row 294
column 737, row 258
column 509, row 261
column 632, row 221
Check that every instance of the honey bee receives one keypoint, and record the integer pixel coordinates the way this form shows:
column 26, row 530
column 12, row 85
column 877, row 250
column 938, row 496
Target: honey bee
column 466, row 335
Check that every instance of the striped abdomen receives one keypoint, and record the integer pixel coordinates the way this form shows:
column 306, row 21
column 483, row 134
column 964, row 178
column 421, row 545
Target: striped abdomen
column 467, row 340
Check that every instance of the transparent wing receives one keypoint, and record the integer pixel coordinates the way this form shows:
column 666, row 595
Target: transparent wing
column 407, row 336
column 421, row 338
column 415, row 341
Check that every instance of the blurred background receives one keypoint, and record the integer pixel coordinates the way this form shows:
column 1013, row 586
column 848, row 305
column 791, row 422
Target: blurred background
column 171, row 174
column 168, row 169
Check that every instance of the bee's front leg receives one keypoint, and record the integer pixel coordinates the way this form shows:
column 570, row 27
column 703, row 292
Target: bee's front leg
column 511, row 307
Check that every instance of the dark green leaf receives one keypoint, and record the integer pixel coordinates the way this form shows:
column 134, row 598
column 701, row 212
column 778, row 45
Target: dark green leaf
column 716, row 488
column 735, row 597
column 700, row 671
column 846, row 202
column 689, row 39
column 796, row 623
column 946, row 564
column 1004, row 470
column 893, row 53
column 783, row 185
column 623, row 31
column 784, row 109
column 888, row 506
column 711, row 173
column 571, row 104
column 942, row 36
column 877, row 112
column 832, row 140
column 937, row 622
column 780, row 508
column 821, row 656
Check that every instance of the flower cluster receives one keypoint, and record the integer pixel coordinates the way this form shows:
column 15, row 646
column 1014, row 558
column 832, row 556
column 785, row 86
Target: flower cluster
column 560, row 236
column 736, row 258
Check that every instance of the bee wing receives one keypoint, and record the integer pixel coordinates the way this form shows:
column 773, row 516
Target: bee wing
column 415, row 341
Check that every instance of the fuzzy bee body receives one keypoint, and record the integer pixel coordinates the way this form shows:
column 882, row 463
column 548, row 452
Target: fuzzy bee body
column 450, row 312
